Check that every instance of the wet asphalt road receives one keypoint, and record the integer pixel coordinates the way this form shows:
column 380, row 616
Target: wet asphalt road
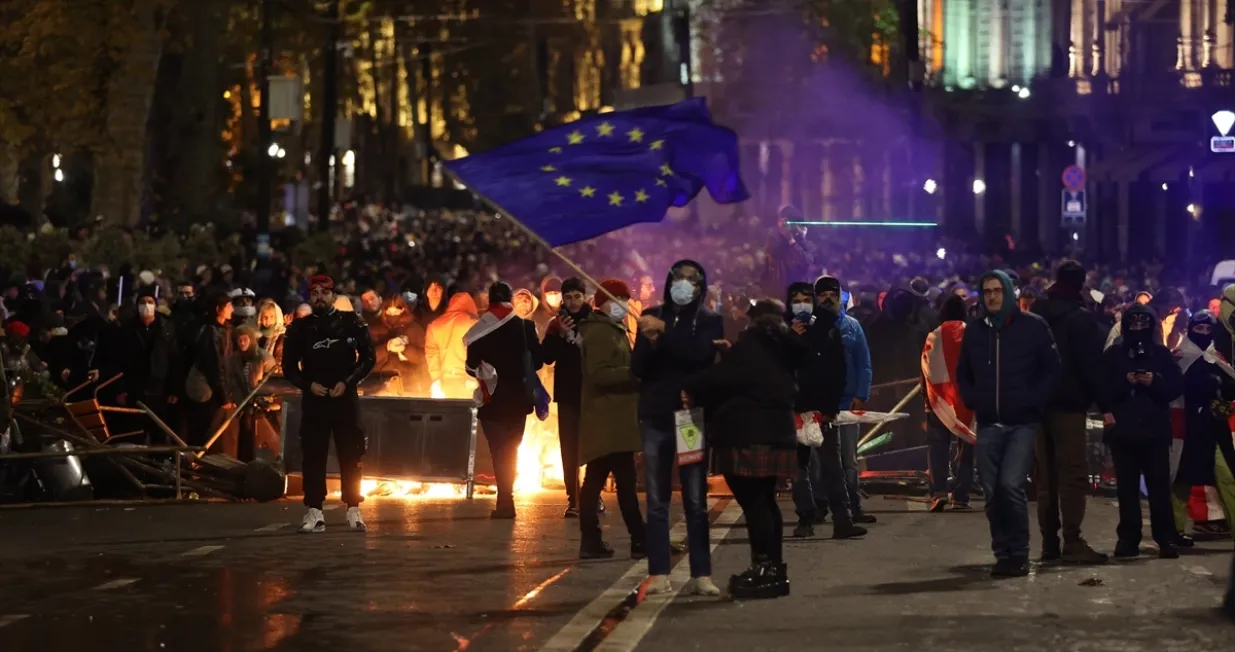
column 440, row 576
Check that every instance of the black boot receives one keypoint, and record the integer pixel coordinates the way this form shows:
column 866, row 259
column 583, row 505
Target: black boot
column 763, row 580
column 595, row 550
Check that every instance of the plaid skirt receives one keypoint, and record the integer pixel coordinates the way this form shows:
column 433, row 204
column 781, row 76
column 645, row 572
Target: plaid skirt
column 758, row 461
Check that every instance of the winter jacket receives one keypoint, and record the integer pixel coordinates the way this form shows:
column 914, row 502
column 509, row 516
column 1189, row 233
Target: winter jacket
column 1080, row 341
column 408, row 357
column 328, row 349
column 445, row 353
column 150, row 359
column 214, row 348
column 858, row 371
column 1141, row 413
column 561, row 349
column 504, row 348
column 750, row 395
column 822, row 378
column 609, row 396
column 1007, row 375
column 683, row 350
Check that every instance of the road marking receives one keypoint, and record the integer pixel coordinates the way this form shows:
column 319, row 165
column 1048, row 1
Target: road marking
column 583, row 623
column 116, row 584
column 915, row 506
column 627, row 635
column 201, row 551
column 5, row 621
column 329, row 508
column 1199, row 570
column 273, row 527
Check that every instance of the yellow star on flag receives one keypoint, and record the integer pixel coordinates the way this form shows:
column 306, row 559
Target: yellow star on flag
column 615, row 199
column 636, row 135
column 641, row 196
column 587, row 191
column 665, row 170
column 604, row 129
column 555, row 150
column 661, row 182
column 657, row 144
column 575, row 137
column 563, row 182
column 548, row 168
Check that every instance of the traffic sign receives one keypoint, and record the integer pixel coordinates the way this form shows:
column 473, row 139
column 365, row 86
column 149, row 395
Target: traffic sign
column 1222, row 144
column 1072, row 208
column 1074, row 178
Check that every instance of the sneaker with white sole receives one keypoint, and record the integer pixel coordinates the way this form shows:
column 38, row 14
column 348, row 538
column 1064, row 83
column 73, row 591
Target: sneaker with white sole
column 314, row 522
column 354, row 522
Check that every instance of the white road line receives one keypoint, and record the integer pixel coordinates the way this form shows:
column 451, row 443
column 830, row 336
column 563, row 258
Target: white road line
column 1199, row 570
column 9, row 619
column 329, row 508
column 590, row 616
column 915, row 506
column 628, row 633
column 273, row 527
column 201, row 551
column 116, row 584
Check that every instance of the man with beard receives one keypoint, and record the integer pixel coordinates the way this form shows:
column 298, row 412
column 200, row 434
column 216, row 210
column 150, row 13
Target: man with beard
column 561, row 349
column 370, row 307
column 1006, row 374
column 506, row 344
column 326, row 355
column 1143, row 379
column 1062, row 472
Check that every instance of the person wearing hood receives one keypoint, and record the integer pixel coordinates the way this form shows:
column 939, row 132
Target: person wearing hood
column 549, row 305
column 524, row 304
column 675, row 341
column 947, row 418
column 434, row 303
column 271, row 331
column 609, row 425
column 1062, row 450
column 561, row 348
column 249, row 365
column 821, row 380
column 1006, row 373
column 1142, row 379
column 399, row 344
column 506, row 345
column 751, row 395
column 1209, row 389
column 445, row 353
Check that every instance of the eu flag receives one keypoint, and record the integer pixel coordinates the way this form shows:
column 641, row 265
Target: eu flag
column 597, row 175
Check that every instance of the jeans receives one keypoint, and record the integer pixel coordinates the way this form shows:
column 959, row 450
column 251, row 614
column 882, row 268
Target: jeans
column 940, row 441
column 659, row 451
column 1005, row 455
column 622, row 466
column 764, row 525
column 821, row 477
column 849, row 436
column 1063, row 475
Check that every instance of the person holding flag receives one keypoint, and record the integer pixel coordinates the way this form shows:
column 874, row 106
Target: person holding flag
column 947, row 418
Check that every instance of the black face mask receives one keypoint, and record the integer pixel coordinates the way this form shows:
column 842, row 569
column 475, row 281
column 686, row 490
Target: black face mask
column 1202, row 340
column 830, row 305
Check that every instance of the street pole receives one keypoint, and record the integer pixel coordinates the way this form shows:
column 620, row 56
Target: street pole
column 266, row 166
column 330, row 109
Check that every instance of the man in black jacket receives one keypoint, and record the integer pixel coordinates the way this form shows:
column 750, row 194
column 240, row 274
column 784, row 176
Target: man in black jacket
column 561, row 347
column 1006, row 373
column 676, row 340
column 149, row 356
column 326, row 355
column 1062, row 474
column 821, row 384
column 508, row 344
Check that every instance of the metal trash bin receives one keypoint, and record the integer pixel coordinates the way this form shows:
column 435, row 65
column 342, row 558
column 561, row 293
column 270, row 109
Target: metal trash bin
column 418, row 439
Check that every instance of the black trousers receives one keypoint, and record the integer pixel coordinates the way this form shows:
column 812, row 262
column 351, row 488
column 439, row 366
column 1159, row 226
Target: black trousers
column 200, row 417
column 1151, row 459
column 622, row 466
column 765, row 528
column 504, row 438
column 568, row 437
column 322, row 420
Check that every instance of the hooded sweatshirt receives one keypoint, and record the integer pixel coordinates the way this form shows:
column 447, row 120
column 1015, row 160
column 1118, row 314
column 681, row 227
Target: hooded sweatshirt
column 684, row 349
column 1141, row 413
column 1008, row 363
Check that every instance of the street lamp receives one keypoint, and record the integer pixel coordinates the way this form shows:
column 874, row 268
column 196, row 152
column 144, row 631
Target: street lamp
column 979, row 186
column 273, row 150
column 930, row 186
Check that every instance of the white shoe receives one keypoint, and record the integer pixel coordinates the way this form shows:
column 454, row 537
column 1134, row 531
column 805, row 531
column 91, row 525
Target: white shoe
column 705, row 586
column 314, row 522
column 354, row 522
column 658, row 584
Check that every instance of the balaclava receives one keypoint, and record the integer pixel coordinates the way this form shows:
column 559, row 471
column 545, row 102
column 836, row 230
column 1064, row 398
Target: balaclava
column 1201, row 329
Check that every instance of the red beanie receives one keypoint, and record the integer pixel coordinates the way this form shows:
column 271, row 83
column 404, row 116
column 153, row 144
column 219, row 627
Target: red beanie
column 616, row 287
column 321, row 281
column 17, row 329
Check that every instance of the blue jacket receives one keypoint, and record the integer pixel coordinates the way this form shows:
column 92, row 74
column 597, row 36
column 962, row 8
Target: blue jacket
column 858, row 371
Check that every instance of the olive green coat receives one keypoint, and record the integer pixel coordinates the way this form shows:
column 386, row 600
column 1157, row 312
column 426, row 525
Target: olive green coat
column 609, row 409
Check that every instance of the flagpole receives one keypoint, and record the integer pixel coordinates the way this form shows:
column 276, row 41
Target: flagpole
column 497, row 208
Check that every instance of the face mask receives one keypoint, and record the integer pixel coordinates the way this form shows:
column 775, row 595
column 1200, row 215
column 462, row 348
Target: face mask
column 246, row 311
column 615, row 310
column 72, row 264
column 554, row 299
column 145, row 309
column 1203, row 340
column 802, row 311
column 682, row 292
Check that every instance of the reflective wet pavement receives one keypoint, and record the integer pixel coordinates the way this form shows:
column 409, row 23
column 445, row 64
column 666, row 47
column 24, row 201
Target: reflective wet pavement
column 440, row 576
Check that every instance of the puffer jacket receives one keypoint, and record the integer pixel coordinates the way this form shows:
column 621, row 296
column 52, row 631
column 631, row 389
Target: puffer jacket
column 445, row 353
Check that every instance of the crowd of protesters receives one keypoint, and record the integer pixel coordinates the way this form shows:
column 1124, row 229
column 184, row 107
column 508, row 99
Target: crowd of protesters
column 1046, row 342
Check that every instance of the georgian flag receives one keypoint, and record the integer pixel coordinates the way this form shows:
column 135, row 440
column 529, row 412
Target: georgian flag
column 939, row 356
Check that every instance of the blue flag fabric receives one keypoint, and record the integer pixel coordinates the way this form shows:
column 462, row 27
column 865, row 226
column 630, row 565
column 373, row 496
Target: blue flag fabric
column 587, row 178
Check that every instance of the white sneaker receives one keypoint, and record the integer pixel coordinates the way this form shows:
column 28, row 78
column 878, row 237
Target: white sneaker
column 314, row 522
column 658, row 584
column 705, row 586
column 354, row 522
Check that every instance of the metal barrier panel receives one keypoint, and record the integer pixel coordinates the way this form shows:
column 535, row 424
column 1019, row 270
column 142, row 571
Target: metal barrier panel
column 427, row 440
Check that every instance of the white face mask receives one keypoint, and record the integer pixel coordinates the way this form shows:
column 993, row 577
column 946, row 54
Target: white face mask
column 615, row 310
column 246, row 311
column 802, row 309
column 554, row 299
column 682, row 292
column 145, row 309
